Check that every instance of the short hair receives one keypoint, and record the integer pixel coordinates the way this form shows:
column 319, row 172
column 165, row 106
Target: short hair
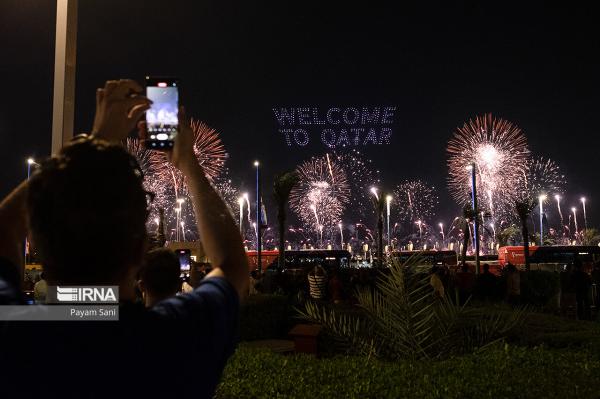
column 87, row 213
column 161, row 272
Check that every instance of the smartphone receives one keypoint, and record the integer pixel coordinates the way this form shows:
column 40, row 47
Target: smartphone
column 162, row 120
column 185, row 259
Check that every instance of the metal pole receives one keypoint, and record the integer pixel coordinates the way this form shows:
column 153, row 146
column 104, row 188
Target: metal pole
column 476, row 221
column 258, row 219
column 65, row 54
column 541, row 222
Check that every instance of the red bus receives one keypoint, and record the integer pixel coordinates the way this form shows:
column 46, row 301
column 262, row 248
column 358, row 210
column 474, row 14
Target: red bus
column 550, row 257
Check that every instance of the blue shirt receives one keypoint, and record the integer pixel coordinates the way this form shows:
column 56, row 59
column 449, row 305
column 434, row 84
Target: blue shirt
column 177, row 348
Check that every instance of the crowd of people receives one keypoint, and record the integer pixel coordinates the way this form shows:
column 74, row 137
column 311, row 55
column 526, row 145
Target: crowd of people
column 88, row 202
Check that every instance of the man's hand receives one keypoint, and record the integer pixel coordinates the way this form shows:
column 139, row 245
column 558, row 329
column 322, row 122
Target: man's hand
column 182, row 156
column 119, row 105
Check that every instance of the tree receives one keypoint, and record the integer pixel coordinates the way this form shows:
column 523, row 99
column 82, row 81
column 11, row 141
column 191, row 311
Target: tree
column 590, row 237
column 524, row 208
column 378, row 205
column 282, row 186
column 505, row 235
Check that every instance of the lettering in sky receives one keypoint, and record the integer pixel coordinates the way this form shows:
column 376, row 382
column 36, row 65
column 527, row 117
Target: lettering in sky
column 336, row 126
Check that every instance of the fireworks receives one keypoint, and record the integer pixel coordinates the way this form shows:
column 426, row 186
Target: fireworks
column 168, row 183
column 499, row 151
column 415, row 200
column 361, row 176
column 321, row 194
column 540, row 177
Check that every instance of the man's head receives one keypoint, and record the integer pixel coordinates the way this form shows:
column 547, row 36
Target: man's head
column 159, row 278
column 87, row 213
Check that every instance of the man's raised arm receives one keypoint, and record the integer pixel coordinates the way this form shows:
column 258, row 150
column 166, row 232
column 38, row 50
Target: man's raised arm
column 219, row 234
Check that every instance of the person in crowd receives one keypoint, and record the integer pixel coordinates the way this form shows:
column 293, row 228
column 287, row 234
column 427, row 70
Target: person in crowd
column 317, row 282
column 596, row 284
column 159, row 277
column 582, row 284
column 465, row 283
column 567, row 289
column 86, row 211
column 436, row 282
column 335, row 287
column 254, row 281
column 513, row 285
column 40, row 289
column 486, row 284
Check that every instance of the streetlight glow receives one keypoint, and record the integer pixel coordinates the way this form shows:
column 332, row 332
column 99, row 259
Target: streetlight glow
column 30, row 161
column 256, row 163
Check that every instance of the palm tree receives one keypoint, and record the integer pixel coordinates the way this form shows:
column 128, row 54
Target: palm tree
column 282, row 186
column 524, row 209
column 378, row 204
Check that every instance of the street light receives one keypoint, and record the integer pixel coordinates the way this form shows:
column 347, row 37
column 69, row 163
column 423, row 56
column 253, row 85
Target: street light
column 341, row 235
column 442, row 231
column 562, row 222
column 388, row 200
column 584, row 213
column 542, row 198
column 374, row 191
column 258, row 218
column 471, row 168
column 574, row 210
column 241, row 202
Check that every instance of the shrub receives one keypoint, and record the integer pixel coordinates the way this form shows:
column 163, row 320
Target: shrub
column 501, row 372
column 401, row 319
column 265, row 317
column 540, row 288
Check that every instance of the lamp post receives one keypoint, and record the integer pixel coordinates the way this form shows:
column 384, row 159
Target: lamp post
column 574, row 210
column 258, row 218
column 584, row 214
column 379, row 210
column 442, row 231
column 341, row 235
column 177, row 216
column 471, row 168
column 542, row 198
column 388, row 200
column 562, row 221
column 180, row 202
column 241, row 204
column 30, row 163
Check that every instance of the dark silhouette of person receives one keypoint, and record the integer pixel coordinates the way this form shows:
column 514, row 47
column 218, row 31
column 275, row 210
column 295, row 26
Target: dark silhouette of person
column 486, row 285
column 159, row 278
column 582, row 283
column 86, row 210
column 465, row 283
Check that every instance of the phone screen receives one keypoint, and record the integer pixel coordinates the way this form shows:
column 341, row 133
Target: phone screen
column 162, row 118
column 185, row 259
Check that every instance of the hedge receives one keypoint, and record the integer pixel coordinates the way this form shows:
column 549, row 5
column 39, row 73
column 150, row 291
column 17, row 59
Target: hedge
column 501, row 372
column 266, row 316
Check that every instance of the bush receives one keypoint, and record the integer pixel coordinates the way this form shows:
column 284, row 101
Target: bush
column 500, row 372
column 266, row 317
column 540, row 288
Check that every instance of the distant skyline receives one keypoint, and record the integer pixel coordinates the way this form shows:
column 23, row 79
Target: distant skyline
column 438, row 64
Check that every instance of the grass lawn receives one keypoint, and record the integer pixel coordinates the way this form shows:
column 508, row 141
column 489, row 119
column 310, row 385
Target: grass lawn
column 548, row 357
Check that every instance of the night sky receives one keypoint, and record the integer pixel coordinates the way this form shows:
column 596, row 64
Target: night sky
column 439, row 64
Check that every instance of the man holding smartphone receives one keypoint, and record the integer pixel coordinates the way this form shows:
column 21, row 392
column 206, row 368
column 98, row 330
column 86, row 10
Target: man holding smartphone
column 88, row 203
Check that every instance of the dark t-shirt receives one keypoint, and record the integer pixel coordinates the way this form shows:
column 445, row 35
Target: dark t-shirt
column 177, row 348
